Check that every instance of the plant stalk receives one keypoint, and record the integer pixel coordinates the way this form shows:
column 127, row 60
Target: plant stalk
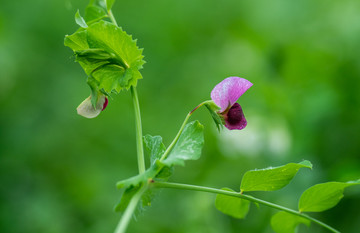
column 170, row 147
column 125, row 219
column 139, row 137
column 239, row 195
column 166, row 153
column 112, row 18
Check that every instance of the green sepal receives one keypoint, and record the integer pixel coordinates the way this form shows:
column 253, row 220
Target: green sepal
column 321, row 197
column 232, row 206
column 214, row 109
column 271, row 179
column 189, row 145
column 283, row 222
column 94, row 86
column 80, row 20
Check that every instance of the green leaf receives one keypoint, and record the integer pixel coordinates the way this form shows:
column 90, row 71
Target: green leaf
column 213, row 109
column 109, row 4
column 126, row 197
column 324, row 196
column 232, row 206
column 111, row 77
column 77, row 41
column 141, row 178
column 112, row 39
column 155, row 147
column 283, row 222
column 95, row 11
column 108, row 54
column 164, row 173
column 189, row 145
column 271, row 179
column 93, row 83
column 80, row 20
column 129, row 193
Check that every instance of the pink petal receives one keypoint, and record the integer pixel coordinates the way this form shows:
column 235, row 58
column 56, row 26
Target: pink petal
column 105, row 104
column 235, row 118
column 227, row 92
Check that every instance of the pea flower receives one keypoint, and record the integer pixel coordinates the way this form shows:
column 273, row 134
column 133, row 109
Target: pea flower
column 86, row 109
column 225, row 94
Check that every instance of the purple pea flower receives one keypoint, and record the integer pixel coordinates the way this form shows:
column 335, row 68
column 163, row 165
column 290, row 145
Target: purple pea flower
column 225, row 94
column 86, row 109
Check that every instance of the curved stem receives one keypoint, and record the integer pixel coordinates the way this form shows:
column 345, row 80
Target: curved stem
column 139, row 137
column 125, row 220
column 176, row 138
column 168, row 150
column 239, row 195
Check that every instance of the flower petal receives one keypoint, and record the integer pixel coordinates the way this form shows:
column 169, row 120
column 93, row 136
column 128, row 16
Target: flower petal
column 86, row 109
column 227, row 92
column 234, row 118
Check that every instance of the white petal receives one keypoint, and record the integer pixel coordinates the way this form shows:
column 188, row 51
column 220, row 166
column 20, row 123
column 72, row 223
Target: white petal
column 86, row 109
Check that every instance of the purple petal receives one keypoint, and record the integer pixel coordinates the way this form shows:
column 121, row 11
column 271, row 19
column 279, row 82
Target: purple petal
column 234, row 118
column 227, row 92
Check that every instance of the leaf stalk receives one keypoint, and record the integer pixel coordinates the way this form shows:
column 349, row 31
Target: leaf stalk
column 242, row 196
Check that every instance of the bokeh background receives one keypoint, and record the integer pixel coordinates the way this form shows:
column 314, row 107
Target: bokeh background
column 58, row 170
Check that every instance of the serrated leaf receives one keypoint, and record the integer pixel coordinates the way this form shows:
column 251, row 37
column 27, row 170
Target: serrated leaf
column 189, row 145
column 107, row 54
column 213, row 109
column 283, row 222
column 232, row 206
column 271, row 179
column 111, row 77
column 109, row 4
column 155, row 147
column 112, row 39
column 324, row 196
column 80, row 20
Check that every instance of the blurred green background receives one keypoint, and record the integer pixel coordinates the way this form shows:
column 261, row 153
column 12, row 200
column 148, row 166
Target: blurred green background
column 58, row 170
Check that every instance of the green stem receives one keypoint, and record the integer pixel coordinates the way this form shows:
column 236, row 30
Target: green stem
column 239, row 195
column 170, row 147
column 112, row 18
column 176, row 138
column 125, row 220
column 139, row 137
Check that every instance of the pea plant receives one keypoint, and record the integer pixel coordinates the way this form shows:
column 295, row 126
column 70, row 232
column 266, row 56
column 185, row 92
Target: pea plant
column 112, row 62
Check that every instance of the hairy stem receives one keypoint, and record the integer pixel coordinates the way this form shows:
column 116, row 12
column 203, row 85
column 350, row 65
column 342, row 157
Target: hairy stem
column 125, row 220
column 139, row 137
column 239, row 195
